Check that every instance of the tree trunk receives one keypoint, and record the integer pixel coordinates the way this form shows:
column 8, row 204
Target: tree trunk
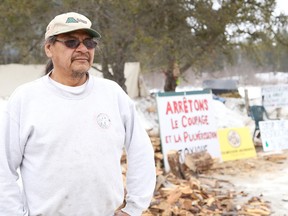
column 172, row 75
column 119, row 76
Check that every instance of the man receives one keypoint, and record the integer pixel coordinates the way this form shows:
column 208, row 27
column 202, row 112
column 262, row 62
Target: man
column 66, row 132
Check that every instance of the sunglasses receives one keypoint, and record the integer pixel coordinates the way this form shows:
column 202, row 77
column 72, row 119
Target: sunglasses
column 89, row 43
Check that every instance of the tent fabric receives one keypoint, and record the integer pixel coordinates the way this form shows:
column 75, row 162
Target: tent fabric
column 13, row 75
column 134, row 81
column 131, row 72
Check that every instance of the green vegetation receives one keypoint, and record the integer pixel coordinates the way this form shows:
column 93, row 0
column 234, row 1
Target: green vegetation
column 161, row 34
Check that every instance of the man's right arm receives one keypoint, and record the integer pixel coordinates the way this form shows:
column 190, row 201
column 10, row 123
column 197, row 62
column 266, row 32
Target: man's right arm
column 11, row 199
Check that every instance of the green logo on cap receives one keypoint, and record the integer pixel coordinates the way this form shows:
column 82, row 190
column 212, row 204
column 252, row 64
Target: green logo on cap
column 71, row 20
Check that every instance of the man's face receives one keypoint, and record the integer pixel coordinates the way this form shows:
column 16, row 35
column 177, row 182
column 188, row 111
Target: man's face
column 67, row 61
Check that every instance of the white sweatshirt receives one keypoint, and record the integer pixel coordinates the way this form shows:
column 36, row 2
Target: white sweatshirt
column 68, row 142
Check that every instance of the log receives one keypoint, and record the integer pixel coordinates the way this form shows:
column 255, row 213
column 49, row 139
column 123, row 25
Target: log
column 174, row 163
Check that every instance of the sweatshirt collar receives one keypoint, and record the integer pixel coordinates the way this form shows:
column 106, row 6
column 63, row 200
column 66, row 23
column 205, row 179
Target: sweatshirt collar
column 69, row 92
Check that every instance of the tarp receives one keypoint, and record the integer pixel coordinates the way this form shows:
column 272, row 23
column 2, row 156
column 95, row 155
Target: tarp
column 221, row 84
column 13, row 75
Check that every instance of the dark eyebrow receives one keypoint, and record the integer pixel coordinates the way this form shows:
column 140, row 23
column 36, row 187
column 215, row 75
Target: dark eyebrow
column 70, row 35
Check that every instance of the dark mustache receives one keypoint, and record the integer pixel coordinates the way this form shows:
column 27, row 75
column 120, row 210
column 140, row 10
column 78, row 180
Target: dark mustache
column 85, row 56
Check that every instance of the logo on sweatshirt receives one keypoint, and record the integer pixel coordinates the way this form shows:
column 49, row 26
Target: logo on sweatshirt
column 103, row 120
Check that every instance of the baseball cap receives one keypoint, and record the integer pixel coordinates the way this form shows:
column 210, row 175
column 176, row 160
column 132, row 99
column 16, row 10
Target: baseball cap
column 69, row 22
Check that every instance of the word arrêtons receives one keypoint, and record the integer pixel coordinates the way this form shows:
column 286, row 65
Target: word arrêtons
column 186, row 106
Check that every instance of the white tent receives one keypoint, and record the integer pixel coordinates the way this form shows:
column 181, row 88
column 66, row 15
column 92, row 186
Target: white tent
column 134, row 81
column 13, row 75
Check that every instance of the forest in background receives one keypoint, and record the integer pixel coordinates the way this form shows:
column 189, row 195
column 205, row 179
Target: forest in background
column 167, row 36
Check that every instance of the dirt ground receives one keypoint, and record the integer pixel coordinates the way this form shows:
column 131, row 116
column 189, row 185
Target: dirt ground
column 262, row 179
column 265, row 177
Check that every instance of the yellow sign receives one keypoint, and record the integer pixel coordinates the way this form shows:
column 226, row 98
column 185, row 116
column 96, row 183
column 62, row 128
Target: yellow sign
column 236, row 143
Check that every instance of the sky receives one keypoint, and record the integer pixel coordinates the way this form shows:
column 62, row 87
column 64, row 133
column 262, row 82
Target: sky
column 282, row 6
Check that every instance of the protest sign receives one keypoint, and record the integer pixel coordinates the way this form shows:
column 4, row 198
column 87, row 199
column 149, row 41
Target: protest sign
column 236, row 143
column 275, row 96
column 187, row 123
column 274, row 134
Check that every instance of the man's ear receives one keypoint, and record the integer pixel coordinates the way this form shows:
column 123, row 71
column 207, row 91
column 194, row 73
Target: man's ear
column 47, row 48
